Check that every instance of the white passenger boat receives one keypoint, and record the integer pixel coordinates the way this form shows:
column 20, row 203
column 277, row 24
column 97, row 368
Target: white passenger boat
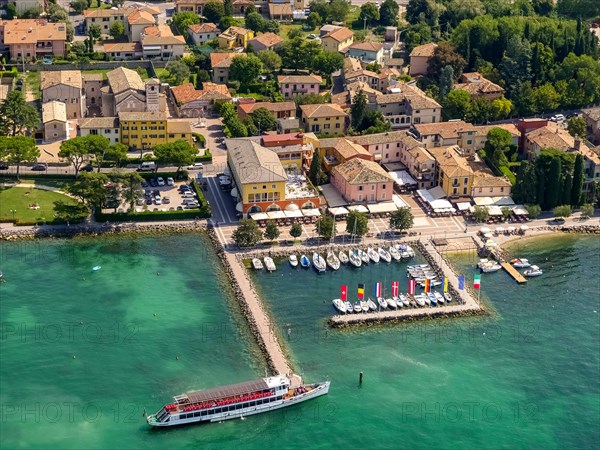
column 521, row 263
column 363, row 256
column 293, row 259
column 382, row 303
column 257, row 264
column 318, row 262
column 533, row 271
column 235, row 401
column 339, row 305
column 391, row 303
column 343, row 257
column 489, row 266
column 432, row 298
column 354, row 258
column 425, row 298
column 373, row 255
column 384, row 254
column 372, row 305
column 395, row 253
column 269, row 264
column 332, row 260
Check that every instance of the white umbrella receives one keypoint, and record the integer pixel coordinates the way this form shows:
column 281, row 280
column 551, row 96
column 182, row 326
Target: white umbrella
column 488, row 235
column 234, row 193
column 239, row 207
column 490, row 244
column 484, row 230
column 524, row 227
column 499, row 229
column 511, row 228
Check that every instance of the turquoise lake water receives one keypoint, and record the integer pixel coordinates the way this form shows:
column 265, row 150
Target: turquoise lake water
column 84, row 353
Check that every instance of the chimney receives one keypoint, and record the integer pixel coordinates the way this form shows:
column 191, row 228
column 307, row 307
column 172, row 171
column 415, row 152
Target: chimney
column 577, row 144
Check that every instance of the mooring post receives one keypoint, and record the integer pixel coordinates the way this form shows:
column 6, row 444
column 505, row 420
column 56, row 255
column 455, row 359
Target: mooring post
column 360, row 377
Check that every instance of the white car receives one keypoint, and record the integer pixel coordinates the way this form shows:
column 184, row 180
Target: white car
column 170, row 181
column 196, row 166
column 160, row 181
column 558, row 118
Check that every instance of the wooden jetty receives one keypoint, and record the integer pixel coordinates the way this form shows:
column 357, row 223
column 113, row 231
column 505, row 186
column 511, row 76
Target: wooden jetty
column 514, row 273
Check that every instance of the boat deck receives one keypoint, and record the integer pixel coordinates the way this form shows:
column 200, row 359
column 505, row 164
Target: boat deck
column 514, row 273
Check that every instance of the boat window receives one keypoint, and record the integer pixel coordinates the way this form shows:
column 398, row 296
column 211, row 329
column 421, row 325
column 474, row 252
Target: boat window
column 239, row 406
column 218, row 410
column 197, row 414
column 252, row 404
column 204, row 413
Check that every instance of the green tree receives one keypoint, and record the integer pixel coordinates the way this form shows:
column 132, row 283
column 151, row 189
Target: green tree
column 16, row 115
column 445, row 55
column 446, row 81
column 264, row 120
column 270, row 60
column 296, row 230
column 245, row 69
column 456, row 104
column 481, row 214
column 183, row 19
column 228, row 8
column 357, row 223
column 132, row 187
column 179, row 71
column 578, row 179
column 18, row 150
column 525, row 189
column 117, row 29
column 298, row 53
column 272, row 230
column 328, row 62
column 577, row 127
column 338, row 10
column 213, row 11
column 315, row 173
column 587, row 210
column 314, row 20
column 94, row 32
column 388, row 13
column 179, row 153
column 325, row 227
column 255, row 22
column 459, row 10
column 76, row 151
column 369, row 14
column 566, row 188
column 249, row 10
column 516, row 62
column 402, row 219
column 497, row 146
column 116, row 152
column 90, row 189
column 358, row 110
column 553, row 186
column 562, row 211
column 311, row 99
column 247, row 234
column 545, row 98
column 79, row 6
column 67, row 212
column 534, row 211
column 321, row 7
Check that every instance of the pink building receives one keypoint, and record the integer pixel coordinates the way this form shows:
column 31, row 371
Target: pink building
column 362, row 181
column 291, row 85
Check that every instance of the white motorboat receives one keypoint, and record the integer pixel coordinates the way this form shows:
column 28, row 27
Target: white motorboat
column 384, row 254
column 405, row 301
column 432, row 299
column 343, row 257
column 319, row 262
column 257, row 264
column 372, row 305
column 395, row 253
column 419, row 299
column 332, row 260
column 425, row 299
column 354, row 258
column 406, row 251
column 349, row 307
column 357, row 308
column 339, row 305
column 533, row 271
column 448, row 297
column 521, row 263
column 439, row 297
column 373, row 255
column 364, row 305
column 269, row 264
column 304, row 262
column 391, row 303
column 489, row 267
column 293, row 259
column 363, row 256
column 382, row 303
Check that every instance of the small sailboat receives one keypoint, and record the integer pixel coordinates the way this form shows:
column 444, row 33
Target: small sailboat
column 372, row 305
column 394, row 253
column 382, row 303
column 363, row 256
column 269, row 264
column 343, row 257
column 521, row 263
column 293, row 259
column 257, row 264
column 332, row 260
column 339, row 305
column 319, row 262
column 355, row 258
column 304, row 262
column 384, row 254
column 533, row 271
column 373, row 255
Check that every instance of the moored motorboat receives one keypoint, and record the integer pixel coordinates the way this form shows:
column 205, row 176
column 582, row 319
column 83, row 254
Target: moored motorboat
column 419, row 299
column 373, row 255
column 384, row 254
column 382, row 303
column 363, row 256
column 354, row 258
column 293, row 259
column 304, row 262
column 257, row 264
column 425, row 298
column 269, row 264
column 349, row 307
column 364, row 306
column 343, row 257
column 405, row 301
column 391, row 303
column 448, row 297
column 318, row 262
column 395, row 253
column 432, row 299
column 339, row 305
column 357, row 308
column 332, row 260
column 521, row 263
column 372, row 305
column 490, row 267
column 533, row 271
column 439, row 297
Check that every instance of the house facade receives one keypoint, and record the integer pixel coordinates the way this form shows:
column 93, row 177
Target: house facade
column 280, row 110
column 325, row 119
column 407, row 105
column 367, row 52
column 360, row 181
column 54, row 121
column 65, row 86
column 291, row 85
column 234, row 37
column 145, row 130
column 220, row 63
column 337, row 40
column 203, row 32
column 107, row 127
column 31, row 39
column 420, row 57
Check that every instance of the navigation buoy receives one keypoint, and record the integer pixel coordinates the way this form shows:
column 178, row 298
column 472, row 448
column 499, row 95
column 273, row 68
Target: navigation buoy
column 360, row 377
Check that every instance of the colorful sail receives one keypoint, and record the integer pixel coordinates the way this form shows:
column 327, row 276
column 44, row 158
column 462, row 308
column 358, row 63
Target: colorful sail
column 461, row 282
column 395, row 289
column 361, row 291
column 411, row 286
column 477, row 281
column 344, row 293
column 445, row 284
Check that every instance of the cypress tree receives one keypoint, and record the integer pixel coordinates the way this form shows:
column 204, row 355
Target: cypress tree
column 553, row 189
column 315, row 169
column 567, row 187
column 578, row 178
column 536, row 65
column 541, row 181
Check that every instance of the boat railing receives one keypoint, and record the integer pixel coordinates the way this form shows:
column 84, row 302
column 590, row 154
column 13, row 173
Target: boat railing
column 227, row 401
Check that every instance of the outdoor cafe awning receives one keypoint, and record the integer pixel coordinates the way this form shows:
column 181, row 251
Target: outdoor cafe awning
column 311, row 212
column 494, row 210
column 292, row 214
column 382, row 207
column 338, row 211
column 276, row 214
column 259, row 216
column 463, row 206
column 520, row 210
column 399, row 202
column 358, row 208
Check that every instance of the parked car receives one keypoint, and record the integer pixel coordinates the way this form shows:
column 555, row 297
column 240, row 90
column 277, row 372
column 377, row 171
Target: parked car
column 160, row 181
column 557, row 118
column 188, row 194
column 87, row 168
column 153, row 182
column 166, row 200
column 157, row 200
column 184, row 187
column 312, row 36
column 41, row 167
column 170, row 181
column 3, row 166
column 148, row 200
column 196, row 166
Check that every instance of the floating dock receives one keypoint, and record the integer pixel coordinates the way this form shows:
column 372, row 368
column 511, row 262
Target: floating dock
column 514, row 273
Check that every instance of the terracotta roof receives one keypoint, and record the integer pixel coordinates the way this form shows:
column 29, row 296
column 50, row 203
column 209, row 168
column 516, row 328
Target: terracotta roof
column 351, row 64
column 268, row 39
column 409, row 93
column 447, row 130
column 552, row 136
column 223, row 60
column 214, row 91
column 122, row 79
column 367, row 46
column 163, row 40
column 424, row 50
column 99, row 122
column 384, row 138
column 299, row 79
column 66, row 77
column 592, row 114
column 279, row 9
column 253, row 163
column 346, row 148
column 207, row 27
column 485, row 178
column 179, row 126
column 420, row 155
column 271, row 139
column 475, row 84
column 591, row 154
column 360, row 171
column 30, row 31
column 54, row 111
column 232, row 31
column 123, row 47
column 451, row 162
column 140, row 18
column 92, row 77
column 158, row 30
column 322, row 110
column 186, row 93
column 249, row 108
column 339, row 34
column 109, row 12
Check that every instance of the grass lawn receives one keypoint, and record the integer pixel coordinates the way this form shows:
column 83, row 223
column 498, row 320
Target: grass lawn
column 285, row 28
column 19, row 199
column 143, row 72
column 31, row 82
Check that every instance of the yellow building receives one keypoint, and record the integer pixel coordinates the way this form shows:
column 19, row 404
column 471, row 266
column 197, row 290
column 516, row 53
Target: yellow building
column 453, row 172
column 144, row 130
column 327, row 118
column 337, row 40
column 234, row 37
